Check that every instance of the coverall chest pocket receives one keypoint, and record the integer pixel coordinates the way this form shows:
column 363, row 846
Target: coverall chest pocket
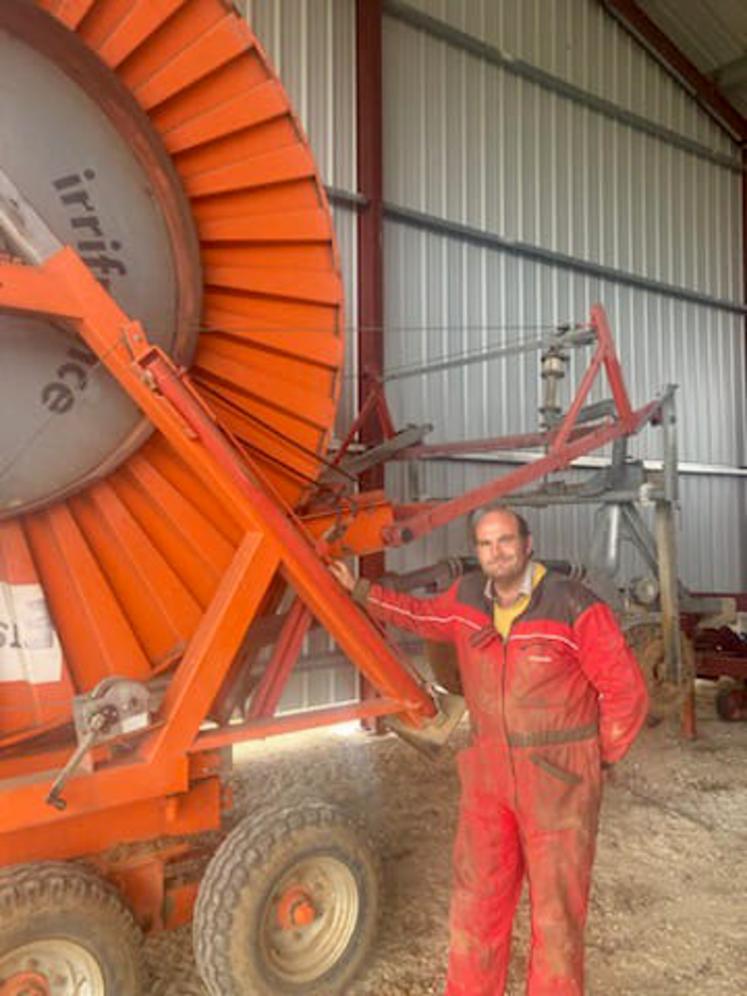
column 540, row 672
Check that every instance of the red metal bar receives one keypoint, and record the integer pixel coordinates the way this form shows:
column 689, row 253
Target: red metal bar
column 374, row 403
column 404, row 531
column 370, row 140
column 604, row 355
column 707, row 92
column 370, row 162
column 284, row 656
column 611, row 363
column 272, row 726
column 569, row 421
column 521, row 441
column 386, row 425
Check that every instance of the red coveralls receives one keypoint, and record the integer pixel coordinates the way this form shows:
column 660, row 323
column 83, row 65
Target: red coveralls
column 560, row 695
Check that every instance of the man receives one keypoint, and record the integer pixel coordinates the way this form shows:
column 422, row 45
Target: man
column 554, row 695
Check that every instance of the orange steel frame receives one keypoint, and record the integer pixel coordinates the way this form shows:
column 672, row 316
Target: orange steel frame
column 171, row 784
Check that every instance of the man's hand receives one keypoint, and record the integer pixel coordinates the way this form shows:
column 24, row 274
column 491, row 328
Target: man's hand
column 342, row 574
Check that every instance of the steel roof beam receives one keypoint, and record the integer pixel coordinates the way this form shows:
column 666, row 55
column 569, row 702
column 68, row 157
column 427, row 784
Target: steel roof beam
column 731, row 75
column 436, row 28
column 705, row 91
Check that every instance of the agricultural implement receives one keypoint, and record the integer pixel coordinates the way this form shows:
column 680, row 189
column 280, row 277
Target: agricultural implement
column 171, row 342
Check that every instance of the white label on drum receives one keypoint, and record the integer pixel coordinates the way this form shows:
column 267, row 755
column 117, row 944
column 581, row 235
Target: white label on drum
column 29, row 646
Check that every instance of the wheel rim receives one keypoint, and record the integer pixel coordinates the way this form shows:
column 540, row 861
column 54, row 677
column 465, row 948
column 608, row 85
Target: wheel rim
column 309, row 919
column 69, row 969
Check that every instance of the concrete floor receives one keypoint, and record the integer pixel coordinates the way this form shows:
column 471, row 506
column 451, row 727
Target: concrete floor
column 669, row 904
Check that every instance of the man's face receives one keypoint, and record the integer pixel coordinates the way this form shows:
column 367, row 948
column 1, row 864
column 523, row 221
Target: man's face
column 502, row 552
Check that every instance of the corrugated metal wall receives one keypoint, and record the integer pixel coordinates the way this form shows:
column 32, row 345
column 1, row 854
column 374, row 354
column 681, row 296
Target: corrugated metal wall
column 486, row 160
column 472, row 143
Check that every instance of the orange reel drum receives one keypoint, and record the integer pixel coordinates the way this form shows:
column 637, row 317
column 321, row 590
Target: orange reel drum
column 188, row 187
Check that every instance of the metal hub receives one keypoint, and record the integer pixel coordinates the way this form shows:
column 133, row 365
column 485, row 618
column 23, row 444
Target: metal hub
column 67, row 969
column 84, row 157
column 310, row 919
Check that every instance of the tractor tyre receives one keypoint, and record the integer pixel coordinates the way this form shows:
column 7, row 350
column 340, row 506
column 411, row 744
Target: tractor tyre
column 288, row 905
column 67, row 925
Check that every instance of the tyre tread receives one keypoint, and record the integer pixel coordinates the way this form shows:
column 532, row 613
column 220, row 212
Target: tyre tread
column 31, row 889
column 238, row 862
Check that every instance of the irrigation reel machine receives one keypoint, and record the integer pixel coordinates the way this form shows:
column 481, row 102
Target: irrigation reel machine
column 172, row 346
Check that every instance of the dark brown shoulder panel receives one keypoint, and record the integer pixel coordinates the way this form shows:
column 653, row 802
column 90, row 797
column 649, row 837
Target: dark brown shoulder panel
column 470, row 590
column 560, row 599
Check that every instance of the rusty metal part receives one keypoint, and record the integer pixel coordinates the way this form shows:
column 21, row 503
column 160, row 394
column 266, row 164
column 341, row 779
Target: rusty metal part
column 431, row 737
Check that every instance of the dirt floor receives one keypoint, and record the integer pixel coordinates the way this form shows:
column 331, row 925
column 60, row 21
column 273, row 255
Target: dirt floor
column 669, row 905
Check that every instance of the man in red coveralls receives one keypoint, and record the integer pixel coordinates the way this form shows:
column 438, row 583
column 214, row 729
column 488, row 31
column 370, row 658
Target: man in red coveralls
column 554, row 696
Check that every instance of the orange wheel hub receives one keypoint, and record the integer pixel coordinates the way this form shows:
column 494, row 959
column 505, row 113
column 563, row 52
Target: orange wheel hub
column 25, row 984
column 295, row 909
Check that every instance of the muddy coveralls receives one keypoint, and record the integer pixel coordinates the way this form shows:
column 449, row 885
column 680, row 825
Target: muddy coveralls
column 548, row 704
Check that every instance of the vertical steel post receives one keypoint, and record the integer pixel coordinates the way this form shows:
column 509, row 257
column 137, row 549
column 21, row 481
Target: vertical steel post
column 370, row 152
column 669, row 447
column 666, row 544
column 369, row 14
column 743, row 497
column 666, row 549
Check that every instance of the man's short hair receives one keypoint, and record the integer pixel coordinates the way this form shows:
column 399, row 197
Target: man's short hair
column 479, row 514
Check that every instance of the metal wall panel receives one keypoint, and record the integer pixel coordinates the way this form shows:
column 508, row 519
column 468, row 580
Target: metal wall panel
column 346, row 226
column 473, row 143
column 311, row 43
column 580, row 43
column 712, row 33
column 448, row 298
